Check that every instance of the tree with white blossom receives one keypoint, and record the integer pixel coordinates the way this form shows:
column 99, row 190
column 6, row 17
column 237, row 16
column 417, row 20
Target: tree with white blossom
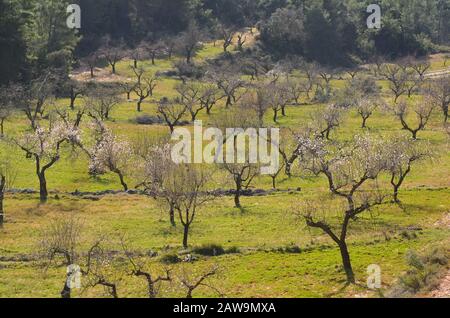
column 110, row 153
column 351, row 170
column 44, row 144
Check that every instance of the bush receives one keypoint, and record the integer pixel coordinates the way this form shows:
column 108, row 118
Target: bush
column 424, row 272
column 148, row 120
column 170, row 259
column 209, row 250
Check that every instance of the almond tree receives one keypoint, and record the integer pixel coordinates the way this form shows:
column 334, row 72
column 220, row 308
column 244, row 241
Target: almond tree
column 365, row 109
column 7, row 96
column 100, row 102
column 189, row 42
column 172, row 112
column 190, row 98
column 91, row 62
column 242, row 39
column 209, row 96
column 110, row 153
column 397, row 78
column 33, row 98
column 438, row 91
column 242, row 175
column 43, row 145
column 227, row 35
column 113, row 54
column 230, row 84
column 7, row 177
column 422, row 109
column 401, row 154
column 296, row 88
column 74, row 90
column 183, row 187
column 326, row 120
column 157, row 167
column 144, row 86
column 61, row 239
column 348, row 169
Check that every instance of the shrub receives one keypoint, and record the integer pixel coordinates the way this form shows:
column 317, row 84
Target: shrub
column 209, row 250
column 170, row 259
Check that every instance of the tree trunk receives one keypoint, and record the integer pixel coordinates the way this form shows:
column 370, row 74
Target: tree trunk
column 396, row 200
column 346, row 262
column 414, row 133
column 228, row 103
column 139, row 105
column 364, row 122
column 135, row 63
column 65, row 293
column 2, row 132
column 237, row 196
column 283, row 111
column 113, row 68
column 43, row 193
column 128, row 95
column 275, row 116
column 274, row 181
column 2, row 195
column 172, row 215
column 185, row 236
column 122, row 181
column 92, row 72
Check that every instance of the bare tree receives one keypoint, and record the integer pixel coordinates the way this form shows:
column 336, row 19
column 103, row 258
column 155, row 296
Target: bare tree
column 74, row 89
column 241, row 40
column 169, row 46
column 365, row 109
column 296, row 88
column 353, row 72
column 190, row 98
column 397, row 78
column 154, row 50
column 144, row 86
column 172, row 112
column 227, row 35
column 438, row 91
column 312, row 72
column 242, row 175
column 91, row 62
column 127, row 88
column 230, row 84
column 209, row 96
column 60, row 241
column 191, row 284
column 183, row 186
column 33, row 98
column 137, row 54
column 153, row 281
column 7, row 102
column 423, row 110
column 188, row 42
column 100, row 102
column 113, row 54
column 7, row 177
column 401, row 154
column 326, row 120
column 347, row 168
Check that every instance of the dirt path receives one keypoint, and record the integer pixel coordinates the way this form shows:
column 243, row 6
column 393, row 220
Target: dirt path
column 443, row 291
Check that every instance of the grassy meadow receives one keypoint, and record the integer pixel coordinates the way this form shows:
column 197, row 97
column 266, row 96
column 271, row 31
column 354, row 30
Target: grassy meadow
column 269, row 251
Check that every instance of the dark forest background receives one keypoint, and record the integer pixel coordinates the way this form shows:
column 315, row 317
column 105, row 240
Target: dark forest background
column 34, row 36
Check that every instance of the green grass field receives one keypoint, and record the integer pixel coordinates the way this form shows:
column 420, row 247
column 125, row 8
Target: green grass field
column 265, row 232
